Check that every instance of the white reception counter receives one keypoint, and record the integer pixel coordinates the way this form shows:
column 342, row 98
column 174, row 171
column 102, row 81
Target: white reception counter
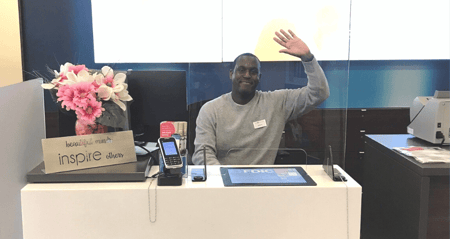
column 193, row 210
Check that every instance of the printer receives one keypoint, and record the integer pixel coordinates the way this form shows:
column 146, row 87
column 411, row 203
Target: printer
column 430, row 118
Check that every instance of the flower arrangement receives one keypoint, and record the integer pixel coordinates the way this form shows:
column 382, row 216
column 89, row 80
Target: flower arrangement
column 94, row 96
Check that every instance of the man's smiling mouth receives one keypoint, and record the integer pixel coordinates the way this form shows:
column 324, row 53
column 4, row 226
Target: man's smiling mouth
column 247, row 82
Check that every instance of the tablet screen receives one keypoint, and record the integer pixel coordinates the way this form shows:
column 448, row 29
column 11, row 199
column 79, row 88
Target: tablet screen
column 276, row 176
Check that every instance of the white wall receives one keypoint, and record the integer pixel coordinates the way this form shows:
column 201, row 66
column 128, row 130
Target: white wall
column 10, row 53
column 175, row 31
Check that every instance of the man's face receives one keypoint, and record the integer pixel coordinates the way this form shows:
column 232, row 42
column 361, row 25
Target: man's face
column 245, row 75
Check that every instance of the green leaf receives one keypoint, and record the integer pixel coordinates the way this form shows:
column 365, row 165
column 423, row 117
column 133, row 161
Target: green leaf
column 113, row 116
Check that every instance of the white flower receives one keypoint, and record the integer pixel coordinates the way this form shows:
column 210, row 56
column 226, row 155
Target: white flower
column 83, row 76
column 48, row 86
column 110, row 84
column 107, row 93
column 122, row 96
column 67, row 76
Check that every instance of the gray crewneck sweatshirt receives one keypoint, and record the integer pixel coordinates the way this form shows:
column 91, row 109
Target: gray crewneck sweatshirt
column 247, row 134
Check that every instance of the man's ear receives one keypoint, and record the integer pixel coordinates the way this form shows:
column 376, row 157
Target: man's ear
column 231, row 74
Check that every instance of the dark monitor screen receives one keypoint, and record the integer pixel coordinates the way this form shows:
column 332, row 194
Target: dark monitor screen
column 157, row 96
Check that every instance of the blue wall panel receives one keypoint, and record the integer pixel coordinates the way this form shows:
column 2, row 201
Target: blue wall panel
column 376, row 84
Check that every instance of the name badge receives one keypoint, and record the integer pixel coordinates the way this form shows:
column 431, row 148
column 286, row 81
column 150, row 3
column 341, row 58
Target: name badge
column 259, row 124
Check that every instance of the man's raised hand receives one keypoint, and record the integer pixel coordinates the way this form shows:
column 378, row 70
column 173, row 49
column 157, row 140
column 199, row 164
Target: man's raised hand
column 294, row 46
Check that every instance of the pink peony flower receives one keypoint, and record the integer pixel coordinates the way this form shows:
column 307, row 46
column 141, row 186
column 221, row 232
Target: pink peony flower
column 66, row 95
column 83, row 128
column 76, row 69
column 83, row 93
column 92, row 110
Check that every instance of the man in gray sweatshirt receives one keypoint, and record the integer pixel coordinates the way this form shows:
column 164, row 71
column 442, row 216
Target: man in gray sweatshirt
column 245, row 126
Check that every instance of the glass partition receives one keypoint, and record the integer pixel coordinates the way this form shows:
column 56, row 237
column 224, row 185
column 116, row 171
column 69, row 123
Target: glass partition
column 304, row 139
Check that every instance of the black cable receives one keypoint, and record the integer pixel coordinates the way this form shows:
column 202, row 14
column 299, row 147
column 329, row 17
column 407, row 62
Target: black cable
column 142, row 147
column 439, row 135
column 157, row 174
column 417, row 114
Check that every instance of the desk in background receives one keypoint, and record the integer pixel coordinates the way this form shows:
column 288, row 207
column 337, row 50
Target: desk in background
column 403, row 198
column 193, row 210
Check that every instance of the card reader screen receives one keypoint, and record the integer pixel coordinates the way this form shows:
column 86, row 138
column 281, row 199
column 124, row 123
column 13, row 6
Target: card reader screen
column 169, row 148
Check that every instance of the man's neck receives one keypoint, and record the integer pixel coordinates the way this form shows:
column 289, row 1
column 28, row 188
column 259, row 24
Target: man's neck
column 242, row 99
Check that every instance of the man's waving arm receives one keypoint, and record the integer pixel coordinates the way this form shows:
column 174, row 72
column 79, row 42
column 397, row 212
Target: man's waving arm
column 303, row 100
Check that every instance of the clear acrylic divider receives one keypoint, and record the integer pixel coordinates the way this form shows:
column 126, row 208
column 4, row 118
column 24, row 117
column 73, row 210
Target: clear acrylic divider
column 283, row 156
column 307, row 138
column 314, row 131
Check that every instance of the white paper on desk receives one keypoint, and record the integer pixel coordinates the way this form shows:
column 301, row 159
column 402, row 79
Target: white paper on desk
column 426, row 154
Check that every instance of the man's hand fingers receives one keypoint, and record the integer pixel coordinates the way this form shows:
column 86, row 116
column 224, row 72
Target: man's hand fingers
column 281, row 37
column 292, row 34
column 294, row 46
column 279, row 41
column 285, row 34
